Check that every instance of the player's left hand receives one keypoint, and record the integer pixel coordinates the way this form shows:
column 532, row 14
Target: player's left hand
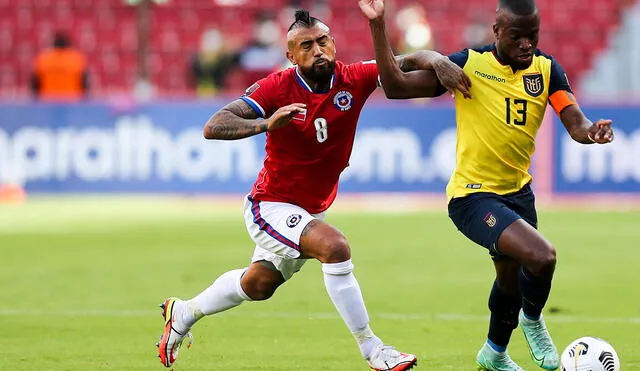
column 284, row 115
column 452, row 77
column 372, row 8
column 600, row 132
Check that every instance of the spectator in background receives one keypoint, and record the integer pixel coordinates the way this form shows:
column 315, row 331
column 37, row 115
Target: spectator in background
column 478, row 33
column 212, row 63
column 60, row 73
column 415, row 31
column 263, row 54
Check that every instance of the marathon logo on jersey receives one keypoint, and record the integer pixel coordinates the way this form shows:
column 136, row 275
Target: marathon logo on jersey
column 490, row 77
column 293, row 220
column 474, row 185
column 251, row 89
column 533, row 84
column 490, row 220
column 343, row 100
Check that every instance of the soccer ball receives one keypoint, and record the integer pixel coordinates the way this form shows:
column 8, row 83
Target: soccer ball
column 590, row 354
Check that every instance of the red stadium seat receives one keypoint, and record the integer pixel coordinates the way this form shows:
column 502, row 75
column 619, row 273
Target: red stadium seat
column 573, row 30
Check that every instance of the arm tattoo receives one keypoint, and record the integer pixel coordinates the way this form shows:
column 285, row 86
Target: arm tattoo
column 312, row 224
column 236, row 120
column 420, row 60
column 406, row 64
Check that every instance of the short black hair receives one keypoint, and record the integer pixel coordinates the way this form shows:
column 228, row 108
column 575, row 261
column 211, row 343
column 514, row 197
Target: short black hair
column 518, row 7
column 304, row 20
column 61, row 40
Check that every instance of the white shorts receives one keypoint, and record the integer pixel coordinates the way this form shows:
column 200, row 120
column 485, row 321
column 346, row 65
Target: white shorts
column 276, row 228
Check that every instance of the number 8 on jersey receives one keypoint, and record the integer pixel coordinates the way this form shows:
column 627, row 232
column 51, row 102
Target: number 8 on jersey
column 321, row 129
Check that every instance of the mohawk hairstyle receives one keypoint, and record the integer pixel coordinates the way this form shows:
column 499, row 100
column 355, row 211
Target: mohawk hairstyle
column 518, row 7
column 304, row 20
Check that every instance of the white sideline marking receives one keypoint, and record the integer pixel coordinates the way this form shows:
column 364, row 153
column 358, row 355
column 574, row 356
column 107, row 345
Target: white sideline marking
column 453, row 317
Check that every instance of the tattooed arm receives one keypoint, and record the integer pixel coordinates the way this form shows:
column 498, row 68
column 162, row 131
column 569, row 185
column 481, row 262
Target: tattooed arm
column 238, row 120
column 419, row 60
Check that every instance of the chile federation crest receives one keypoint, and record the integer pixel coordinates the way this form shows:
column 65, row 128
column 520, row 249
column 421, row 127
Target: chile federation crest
column 343, row 100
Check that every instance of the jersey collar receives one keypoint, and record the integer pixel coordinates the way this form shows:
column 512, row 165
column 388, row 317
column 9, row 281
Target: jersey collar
column 308, row 88
column 494, row 50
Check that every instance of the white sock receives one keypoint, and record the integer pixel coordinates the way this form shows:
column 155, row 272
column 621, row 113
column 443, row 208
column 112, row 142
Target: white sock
column 345, row 293
column 224, row 293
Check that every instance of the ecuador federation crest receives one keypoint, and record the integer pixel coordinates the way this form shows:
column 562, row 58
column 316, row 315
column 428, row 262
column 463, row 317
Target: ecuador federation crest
column 533, row 84
column 491, row 220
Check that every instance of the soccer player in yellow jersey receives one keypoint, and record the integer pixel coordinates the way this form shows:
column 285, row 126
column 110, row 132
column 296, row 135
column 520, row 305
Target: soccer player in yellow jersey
column 498, row 114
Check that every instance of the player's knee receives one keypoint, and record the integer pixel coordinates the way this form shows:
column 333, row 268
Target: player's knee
column 336, row 250
column 263, row 293
column 544, row 263
column 260, row 287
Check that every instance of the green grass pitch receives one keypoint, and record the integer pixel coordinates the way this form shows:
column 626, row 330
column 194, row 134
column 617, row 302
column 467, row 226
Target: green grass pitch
column 81, row 279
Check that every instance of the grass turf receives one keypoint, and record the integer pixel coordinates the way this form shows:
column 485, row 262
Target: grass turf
column 81, row 278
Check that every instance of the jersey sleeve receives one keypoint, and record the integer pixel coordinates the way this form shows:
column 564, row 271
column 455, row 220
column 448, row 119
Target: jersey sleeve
column 460, row 58
column 262, row 96
column 367, row 71
column 560, row 93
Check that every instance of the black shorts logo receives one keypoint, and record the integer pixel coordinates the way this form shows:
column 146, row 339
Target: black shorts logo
column 490, row 220
column 293, row 220
column 533, row 84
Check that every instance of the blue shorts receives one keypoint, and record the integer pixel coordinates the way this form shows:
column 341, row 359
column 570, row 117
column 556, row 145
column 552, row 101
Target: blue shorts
column 483, row 216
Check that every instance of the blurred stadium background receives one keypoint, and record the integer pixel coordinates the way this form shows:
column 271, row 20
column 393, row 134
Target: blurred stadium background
column 110, row 202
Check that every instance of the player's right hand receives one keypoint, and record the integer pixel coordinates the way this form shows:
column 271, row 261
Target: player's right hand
column 372, row 8
column 452, row 77
column 284, row 115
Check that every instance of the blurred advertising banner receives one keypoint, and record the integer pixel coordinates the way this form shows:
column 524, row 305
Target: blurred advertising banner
column 160, row 148
column 400, row 147
column 613, row 168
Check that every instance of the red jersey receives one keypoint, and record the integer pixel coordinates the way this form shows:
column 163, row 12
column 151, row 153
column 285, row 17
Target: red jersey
column 304, row 159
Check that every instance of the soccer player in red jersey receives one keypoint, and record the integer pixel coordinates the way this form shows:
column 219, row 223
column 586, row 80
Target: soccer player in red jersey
column 310, row 114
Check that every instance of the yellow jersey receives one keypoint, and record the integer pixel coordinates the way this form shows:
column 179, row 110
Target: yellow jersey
column 496, row 129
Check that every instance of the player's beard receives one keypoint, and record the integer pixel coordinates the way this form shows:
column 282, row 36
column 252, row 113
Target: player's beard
column 320, row 73
column 518, row 65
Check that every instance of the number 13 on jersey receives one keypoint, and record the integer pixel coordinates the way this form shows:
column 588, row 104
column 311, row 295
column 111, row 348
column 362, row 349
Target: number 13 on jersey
column 520, row 106
column 321, row 129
